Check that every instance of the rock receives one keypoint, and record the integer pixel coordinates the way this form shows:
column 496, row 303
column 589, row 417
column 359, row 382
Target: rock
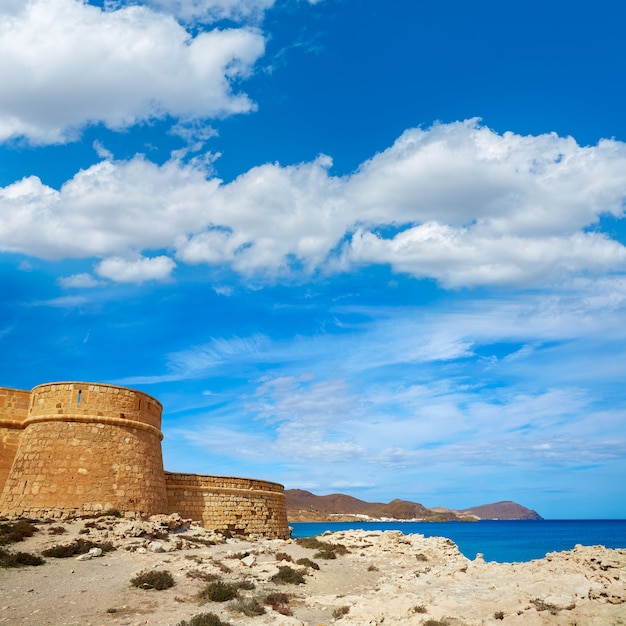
column 84, row 557
column 249, row 560
column 156, row 546
column 95, row 552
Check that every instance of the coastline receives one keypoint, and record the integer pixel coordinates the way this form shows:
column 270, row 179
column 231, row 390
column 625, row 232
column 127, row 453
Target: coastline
column 378, row 578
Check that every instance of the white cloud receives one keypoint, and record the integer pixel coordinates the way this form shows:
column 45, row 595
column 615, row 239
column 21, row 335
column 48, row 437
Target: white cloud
column 80, row 281
column 458, row 203
column 213, row 10
column 66, row 64
column 110, row 209
column 136, row 270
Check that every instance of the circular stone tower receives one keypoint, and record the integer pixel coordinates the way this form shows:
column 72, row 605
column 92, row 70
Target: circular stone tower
column 86, row 448
column 14, row 405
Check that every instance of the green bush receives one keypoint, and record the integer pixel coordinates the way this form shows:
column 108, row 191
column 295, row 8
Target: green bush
column 288, row 575
column 17, row 559
column 307, row 563
column 248, row 606
column 156, row 579
column 12, row 532
column 204, row 619
column 218, row 591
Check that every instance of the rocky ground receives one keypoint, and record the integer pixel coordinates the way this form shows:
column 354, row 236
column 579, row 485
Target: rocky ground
column 375, row 578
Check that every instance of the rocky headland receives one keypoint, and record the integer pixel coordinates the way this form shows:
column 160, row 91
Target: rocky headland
column 304, row 506
column 356, row 577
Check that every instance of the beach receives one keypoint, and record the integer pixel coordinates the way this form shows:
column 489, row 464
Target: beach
column 364, row 578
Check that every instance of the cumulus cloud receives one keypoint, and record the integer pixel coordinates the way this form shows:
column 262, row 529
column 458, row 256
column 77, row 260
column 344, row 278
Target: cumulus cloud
column 109, row 209
column 457, row 202
column 136, row 270
column 66, row 64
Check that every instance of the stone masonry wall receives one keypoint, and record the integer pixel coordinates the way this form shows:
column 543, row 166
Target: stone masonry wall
column 13, row 412
column 76, row 448
column 239, row 505
column 86, row 448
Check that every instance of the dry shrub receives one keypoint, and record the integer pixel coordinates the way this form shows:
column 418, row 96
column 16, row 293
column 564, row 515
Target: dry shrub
column 12, row 532
column 288, row 575
column 156, row 579
column 78, row 546
column 341, row 611
column 207, row 577
column 308, row 563
column 279, row 603
column 18, row 559
column 204, row 619
column 283, row 556
column 248, row 606
column 218, row 591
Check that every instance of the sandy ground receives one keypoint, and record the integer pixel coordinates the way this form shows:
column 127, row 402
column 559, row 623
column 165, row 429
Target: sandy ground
column 385, row 578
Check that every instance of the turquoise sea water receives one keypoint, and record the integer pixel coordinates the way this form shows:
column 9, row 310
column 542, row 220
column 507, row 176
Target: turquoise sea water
column 502, row 541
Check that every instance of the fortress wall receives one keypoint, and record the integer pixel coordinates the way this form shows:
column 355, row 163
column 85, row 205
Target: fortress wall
column 239, row 505
column 86, row 448
column 95, row 400
column 13, row 411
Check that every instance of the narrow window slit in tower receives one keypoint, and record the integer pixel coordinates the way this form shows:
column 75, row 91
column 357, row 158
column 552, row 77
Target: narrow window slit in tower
column 80, row 393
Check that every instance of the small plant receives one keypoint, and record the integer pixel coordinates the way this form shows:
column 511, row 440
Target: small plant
column 246, row 585
column 248, row 606
column 196, row 574
column 420, row 608
column 156, row 579
column 218, row 591
column 57, row 530
column 200, row 540
column 421, row 557
column 111, row 513
column 17, row 559
column 325, row 555
column 283, row 556
column 204, row 619
column 542, row 605
column 12, row 532
column 372, row 568
column 341, row 611
column 79, row 546
column 288, row 575
column 498, row 615
column 279, row 603
column 308, row 563
column 313, row 543
column 435, row 622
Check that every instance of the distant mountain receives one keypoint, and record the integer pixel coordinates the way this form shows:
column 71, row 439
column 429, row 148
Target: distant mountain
column 502, row 510
column 304, row 506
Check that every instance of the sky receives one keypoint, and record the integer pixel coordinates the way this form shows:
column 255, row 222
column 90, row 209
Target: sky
column 374, row 248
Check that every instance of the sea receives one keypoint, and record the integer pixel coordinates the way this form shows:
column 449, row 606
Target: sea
column 498, row 540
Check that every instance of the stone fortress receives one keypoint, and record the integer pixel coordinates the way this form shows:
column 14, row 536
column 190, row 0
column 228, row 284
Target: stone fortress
column 73, row 448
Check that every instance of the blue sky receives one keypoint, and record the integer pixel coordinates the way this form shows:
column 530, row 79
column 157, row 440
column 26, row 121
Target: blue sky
column 351, row 246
